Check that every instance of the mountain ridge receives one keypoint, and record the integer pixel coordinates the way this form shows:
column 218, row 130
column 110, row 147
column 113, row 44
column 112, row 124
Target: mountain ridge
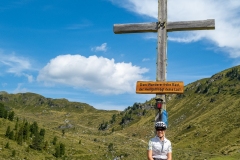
column 204, row 121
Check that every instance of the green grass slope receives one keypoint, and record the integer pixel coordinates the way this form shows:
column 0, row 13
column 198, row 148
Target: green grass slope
column 204, row 123
column 206, row 118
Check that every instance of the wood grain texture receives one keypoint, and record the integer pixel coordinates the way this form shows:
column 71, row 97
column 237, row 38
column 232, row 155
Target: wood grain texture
column 208, row 24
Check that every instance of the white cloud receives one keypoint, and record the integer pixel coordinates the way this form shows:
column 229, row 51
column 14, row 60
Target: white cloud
column 103, row 48
column 97, row 74
column 19, row 89
column 29, row 77
column 226, row 36
column 145, row 59
column 15, row 65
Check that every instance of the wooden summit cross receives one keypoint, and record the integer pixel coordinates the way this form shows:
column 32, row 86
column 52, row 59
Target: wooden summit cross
column 162, row 27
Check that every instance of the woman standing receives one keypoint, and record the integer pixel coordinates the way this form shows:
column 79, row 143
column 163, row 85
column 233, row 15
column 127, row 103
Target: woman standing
column 159, row 147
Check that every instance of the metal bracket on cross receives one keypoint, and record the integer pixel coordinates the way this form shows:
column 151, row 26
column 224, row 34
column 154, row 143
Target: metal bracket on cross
column 161, row 24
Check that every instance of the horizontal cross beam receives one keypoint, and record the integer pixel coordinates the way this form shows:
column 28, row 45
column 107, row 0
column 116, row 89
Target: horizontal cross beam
column 171, row 26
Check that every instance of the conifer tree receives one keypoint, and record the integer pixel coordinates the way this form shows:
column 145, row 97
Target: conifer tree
column 2, row 109
column 7, row 145
column 54, row 142
column 5, row 114
column 62, row 149
column 20, row 136
column 46, row 145
column 11, row 135
column 11, row 116
column 34, row 128
column 37, row 142
column 57, row 151
column 42, row 133
column 8, row 132
column 26, row 131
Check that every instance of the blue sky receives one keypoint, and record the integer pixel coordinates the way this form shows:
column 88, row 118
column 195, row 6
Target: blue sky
column 67, row 48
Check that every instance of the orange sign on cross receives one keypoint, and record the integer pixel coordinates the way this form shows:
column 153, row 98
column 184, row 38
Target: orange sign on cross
column 159, row 87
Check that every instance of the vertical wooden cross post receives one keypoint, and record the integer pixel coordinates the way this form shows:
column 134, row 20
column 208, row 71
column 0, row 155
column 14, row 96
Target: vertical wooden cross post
column 162, row 27
column 162, row 47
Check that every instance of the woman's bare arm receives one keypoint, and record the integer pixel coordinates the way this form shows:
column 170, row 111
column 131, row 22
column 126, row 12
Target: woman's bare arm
column 149, row 154
column 169, row 156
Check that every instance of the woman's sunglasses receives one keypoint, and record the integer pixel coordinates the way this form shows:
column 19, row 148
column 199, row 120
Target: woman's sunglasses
column 160, row 129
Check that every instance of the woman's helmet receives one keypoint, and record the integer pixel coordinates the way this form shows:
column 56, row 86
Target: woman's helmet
column 160, row 125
